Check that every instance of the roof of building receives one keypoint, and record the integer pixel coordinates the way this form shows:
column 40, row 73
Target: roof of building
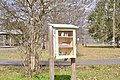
column 2, row 32
column 63, row 25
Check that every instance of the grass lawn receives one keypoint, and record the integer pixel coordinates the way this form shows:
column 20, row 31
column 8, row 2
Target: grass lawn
column 91, row 52
column 97, row 72
column 95, row 52
column 15, row 54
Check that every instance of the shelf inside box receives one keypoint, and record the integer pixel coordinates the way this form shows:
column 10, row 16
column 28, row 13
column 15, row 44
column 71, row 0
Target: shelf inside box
column 65, row 42
column 65, row 56
column 65, row 51
column 70, row 37
column 65, row 33
column 61, row 46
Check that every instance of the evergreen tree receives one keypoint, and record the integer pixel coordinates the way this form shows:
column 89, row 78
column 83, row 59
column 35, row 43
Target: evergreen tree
column 101, row 21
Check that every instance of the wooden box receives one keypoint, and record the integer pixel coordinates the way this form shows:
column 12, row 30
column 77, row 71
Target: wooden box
column 64, row 40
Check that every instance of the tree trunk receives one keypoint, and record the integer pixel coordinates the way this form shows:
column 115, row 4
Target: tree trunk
column 32, row 62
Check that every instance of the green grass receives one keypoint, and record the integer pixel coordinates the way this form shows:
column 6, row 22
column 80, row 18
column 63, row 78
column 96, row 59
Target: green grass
column 98, row 72
column 14, row 54
column 104, row 72
column 91, row 52
column 11, row 55
column 96, row 52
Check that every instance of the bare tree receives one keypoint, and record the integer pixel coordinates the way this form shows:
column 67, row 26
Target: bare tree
column 28, row 16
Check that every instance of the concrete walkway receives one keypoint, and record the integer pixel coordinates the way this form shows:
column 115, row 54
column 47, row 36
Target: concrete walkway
column 4, row 62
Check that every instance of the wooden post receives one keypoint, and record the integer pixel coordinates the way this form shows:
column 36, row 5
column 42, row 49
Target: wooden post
column 73, row 64
column 51, row 59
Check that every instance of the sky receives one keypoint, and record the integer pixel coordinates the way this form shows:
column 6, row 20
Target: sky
column 89, row 7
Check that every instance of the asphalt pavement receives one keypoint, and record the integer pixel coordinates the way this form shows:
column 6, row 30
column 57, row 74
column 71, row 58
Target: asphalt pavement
column 4, row 62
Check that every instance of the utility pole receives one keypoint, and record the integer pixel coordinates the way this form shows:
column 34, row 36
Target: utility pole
column 114, row 25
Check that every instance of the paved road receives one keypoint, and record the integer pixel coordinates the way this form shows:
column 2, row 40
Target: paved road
column 63, row 63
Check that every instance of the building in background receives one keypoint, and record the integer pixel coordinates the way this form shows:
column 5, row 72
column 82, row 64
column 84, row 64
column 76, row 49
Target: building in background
column 7, row 39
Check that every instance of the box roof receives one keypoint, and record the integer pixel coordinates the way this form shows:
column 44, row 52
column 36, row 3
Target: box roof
column 63, row 25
